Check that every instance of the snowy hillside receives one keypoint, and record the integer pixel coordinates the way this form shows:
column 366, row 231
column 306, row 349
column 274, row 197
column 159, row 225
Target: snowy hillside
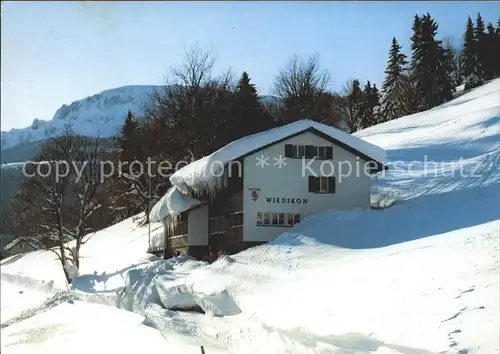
column 99, row 115
column 418, row 277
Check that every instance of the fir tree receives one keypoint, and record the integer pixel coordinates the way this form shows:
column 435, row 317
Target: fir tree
column 491, row 58
column 249, row 114
column 391, row 102
column 447, row 83
column 352, row 105
column 480, row 44
column 471, row 69
column 370, row 100
column 429, row 70
column 128, row 139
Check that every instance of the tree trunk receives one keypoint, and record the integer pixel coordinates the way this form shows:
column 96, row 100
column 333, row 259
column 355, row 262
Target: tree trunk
column 76, row 256
column 63, row 259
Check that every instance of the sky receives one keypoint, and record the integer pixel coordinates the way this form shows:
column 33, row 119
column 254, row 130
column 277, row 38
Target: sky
column 54, row 53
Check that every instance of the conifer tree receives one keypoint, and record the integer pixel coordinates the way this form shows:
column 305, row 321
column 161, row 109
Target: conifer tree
column 128, row 139
column 491, row 64
column 429, row 71
column 391, row 101
column 453, row 53
column 480, row 44
column 352, row 105
column 471, row 69
column 370, row 100
column 249, row 114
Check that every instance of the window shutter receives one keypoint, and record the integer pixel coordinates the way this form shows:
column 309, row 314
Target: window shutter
column 310, row 153
column 311, row 184
column 329, row 152
column 314, row 184
column 331, row 181
column 288, row 150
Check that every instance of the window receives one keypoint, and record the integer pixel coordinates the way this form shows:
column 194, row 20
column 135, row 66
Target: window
column 325, row 152
column 259, row 218
column 277, row 219
column 311, row 151
column 236, row 219
column 179, row 228
column 321, row 184
column 218, row 225
column 301, row 151
column 308, row 152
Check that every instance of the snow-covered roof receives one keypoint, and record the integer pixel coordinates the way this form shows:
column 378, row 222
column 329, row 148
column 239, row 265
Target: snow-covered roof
column 17, row 241
column 172, row 203
column 205, row 173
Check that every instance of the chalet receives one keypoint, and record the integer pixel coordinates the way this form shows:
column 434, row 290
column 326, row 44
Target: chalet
column 20, row 245
column 253, row 189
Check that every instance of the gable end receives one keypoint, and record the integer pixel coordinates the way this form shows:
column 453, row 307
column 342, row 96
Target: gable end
column 379, row 166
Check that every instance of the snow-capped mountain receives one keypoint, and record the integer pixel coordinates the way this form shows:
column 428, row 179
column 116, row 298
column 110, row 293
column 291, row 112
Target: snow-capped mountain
column 101, row 115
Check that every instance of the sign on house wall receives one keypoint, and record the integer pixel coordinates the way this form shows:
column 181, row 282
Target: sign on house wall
column 255, row 194
column 285, row 200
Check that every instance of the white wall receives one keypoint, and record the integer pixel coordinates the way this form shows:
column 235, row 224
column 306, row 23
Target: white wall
column 289, row 182
column 198, row 226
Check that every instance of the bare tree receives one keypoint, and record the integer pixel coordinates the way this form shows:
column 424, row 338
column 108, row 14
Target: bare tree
column 191, row 111
column 59, row 196
column 302, row 89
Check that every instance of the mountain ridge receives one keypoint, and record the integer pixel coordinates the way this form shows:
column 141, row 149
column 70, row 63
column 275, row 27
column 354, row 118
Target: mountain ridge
column 100, row 114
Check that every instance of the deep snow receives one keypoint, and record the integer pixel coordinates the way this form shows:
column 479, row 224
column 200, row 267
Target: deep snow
column 421, row 276
column 172, row 203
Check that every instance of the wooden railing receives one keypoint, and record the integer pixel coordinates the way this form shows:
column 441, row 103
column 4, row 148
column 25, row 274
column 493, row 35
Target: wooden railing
column 227, row 228
column 179, row 228
column 221, row 224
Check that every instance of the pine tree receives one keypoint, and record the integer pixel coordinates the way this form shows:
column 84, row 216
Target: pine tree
column 429, row 70
column 249, row 114
column 352, row 105
column 480, row 43
column 128, row 139
column 447, row 85
column 370, row 100
column 492, row 69
column 491, row 64
column 391, row 102
column 416, row 40
column 471, row 69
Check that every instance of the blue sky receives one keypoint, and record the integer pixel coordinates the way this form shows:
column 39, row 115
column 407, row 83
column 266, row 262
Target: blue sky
column 58, row 52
